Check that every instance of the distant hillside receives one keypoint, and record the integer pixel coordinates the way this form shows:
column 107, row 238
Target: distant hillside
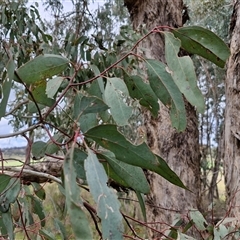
column 14, row 151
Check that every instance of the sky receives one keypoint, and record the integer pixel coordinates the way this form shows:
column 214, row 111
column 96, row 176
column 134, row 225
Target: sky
column 6, row 128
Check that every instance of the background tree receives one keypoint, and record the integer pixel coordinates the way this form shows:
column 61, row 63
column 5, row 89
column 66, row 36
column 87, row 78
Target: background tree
column 231, row 133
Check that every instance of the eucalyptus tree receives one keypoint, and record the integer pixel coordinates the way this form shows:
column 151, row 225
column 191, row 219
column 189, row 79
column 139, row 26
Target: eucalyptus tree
column 79, row 94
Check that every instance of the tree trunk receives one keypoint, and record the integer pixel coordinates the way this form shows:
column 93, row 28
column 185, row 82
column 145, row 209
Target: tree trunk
column 232, row 119
column 180, row 150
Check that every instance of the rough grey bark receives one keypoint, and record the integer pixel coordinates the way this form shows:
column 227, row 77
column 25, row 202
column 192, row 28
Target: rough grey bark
column 180, row 150
column 232, row 118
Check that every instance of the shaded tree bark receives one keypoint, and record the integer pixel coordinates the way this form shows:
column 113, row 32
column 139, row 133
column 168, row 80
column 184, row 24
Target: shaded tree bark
column 232, row 118
column 180, row 150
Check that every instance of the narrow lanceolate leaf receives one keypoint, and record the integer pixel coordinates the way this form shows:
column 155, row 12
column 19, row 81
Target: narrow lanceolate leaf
column 107, row 202
column 115, row 96
column 53, row 85
column 183, row 72
column 78, row 219
column 41, row 68
column 132, row 175
column 87, row 104
column 203, row 42
column 167, row 91
column 143, row 92
column 108, row 137
column 6, row 87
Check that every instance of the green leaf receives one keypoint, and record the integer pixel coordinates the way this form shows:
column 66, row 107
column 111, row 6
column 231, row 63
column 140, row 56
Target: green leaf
column 3, row 229
column 168, row 93
column 108, row 137
column 85, row 105
column 37, row 208
column 46, row 234
column 115, row 96
column 97, row 87
column 61, row 228
column 183, row 72
column 200, row 41
column 133, row 176
column 6, row 87
column 4, row 180
column 141, row 201
column 78, row 219
column 88, row 121
column 198, row 219
column 53, row 85
column 8, row 222
column 78, row 160
column 143, row 92
column 106, row 200
column 51, row 146
column 38, row 149
column 39, row 94
column 31, row 107
column 14, row 188
column 42, row 67
column 39, row 190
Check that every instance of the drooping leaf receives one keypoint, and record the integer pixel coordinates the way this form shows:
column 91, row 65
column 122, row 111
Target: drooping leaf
column 106, row 200
column 167, row 91
column 14, row 188
column 132, row 175
column 46, row 234
column 182, row 71
column 38, row 149
column 140, row 197
column 200, row 41
column 143, row 92
column 38, row 90
column 53, row 85
column 87, row 104
column 4, row 180
column 61, row 228
column 6, row 87
column 2, row 226
column 78, row 160
column 97, row 87
column 115, row 95
column 41, row 68
column 8, row 222
column 108, row 137
column 37, row 208
column 74, row 203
